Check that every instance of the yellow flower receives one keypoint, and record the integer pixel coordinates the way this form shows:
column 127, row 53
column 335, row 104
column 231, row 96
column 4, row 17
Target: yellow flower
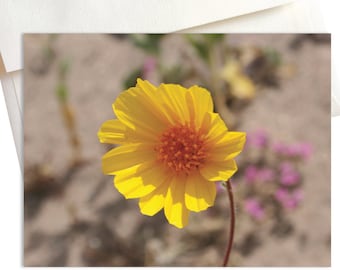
column 173, row 148
column 241, row 86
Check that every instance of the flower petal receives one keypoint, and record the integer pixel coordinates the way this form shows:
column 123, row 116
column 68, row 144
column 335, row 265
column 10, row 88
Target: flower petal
column 139, row 181
column 228, row 147
column 174, row 206
column 173, row 98
column 146, row 86
column 125, row 156
column 112, row 131
column 199, row 103
column 152, row 203
column 150, row 96
column 214, row 127
column 217, row 171
column 134, row 111
column 199, row 193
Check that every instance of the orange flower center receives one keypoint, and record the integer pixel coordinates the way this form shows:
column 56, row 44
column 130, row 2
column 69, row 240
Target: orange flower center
column 181, row 148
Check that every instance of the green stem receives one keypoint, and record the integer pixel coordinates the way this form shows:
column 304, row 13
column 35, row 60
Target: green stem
column 232, row 223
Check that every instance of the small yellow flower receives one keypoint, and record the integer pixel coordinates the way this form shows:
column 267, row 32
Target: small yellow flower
column 173, row 148
column 241, row 86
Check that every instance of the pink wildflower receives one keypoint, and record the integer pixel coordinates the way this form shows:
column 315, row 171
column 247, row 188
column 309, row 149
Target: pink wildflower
column 251, row 174
column 254, row 208
column 265, row 175
column 289, row 200
column 304, row 150
column 288, row 175
column 279, row 148
column 257, row 139
column 148, row 67
column 300, row 150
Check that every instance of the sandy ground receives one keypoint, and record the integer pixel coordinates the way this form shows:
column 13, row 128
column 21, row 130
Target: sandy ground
column 79, row 219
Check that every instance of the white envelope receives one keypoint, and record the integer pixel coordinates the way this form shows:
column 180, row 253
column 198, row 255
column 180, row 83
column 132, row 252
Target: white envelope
column 18, row 16
column 297, row 17
column 11, row 84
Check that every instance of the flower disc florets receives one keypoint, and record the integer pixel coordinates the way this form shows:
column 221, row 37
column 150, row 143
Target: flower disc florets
column 182, row 149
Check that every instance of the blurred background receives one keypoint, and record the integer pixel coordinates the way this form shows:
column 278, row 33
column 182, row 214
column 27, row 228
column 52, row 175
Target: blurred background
column 274, row 87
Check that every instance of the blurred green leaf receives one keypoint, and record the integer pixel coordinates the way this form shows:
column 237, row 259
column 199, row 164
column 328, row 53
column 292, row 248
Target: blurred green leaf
column 150, row 43
column 203, row 43
column 131, row 79
column 64, row 67
column 214, row 38
column 48, row 53
column 200, row 45
column 62, row 92
column 273, row 57
column 175, row 74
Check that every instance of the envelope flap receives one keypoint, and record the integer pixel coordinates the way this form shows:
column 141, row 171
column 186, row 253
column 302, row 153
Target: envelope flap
column 20, row 16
